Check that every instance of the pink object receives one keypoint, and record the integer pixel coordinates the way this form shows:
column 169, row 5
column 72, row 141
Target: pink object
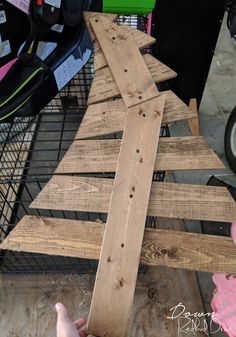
column 224, row 300
column 233, row 232
column 4, row 69
column 149, row 24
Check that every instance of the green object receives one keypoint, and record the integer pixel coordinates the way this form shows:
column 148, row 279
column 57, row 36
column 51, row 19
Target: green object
column 141, row 7
column 21, row 87
column 17, row 108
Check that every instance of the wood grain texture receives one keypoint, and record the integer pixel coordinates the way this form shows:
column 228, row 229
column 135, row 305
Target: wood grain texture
column 169, row 200
column 104, row 86
column 83, row 239
column 124, row 58
column 122, row 241
column 89, row 15
column 194, row 122
column 141, row 39
column 174, row 153
column 109, row 117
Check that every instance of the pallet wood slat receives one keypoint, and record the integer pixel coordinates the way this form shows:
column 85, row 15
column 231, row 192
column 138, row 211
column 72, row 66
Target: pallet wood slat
column 113, row 42
column 159, row 71
column 194, row 122
column 142, row 41
column 174, row 153
column 74, row 238
column 118, row 264
column 169, row 200
column 109, row 117
column 89, row 15
column 104, row 87
column 128, row 206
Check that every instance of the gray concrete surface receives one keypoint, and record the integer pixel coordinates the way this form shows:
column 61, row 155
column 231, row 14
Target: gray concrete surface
column 218, row 101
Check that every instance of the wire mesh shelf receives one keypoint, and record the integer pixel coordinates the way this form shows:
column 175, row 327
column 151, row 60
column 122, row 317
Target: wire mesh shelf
column 30, row 150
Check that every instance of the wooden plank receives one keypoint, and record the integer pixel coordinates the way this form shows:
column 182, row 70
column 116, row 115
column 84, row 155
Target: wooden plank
column 74, row 238
column 194, row 122
column 104, row 87
column 142, row 41
column 89, row 15
column 83, row 239
column 118, row 263
column 174, row 153
column 55, row 236
column 169, row 200
column 109, row 117
column 102, row 119
column 124, row 58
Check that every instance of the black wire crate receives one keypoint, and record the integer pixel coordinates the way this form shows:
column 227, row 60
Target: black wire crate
column 30, row 151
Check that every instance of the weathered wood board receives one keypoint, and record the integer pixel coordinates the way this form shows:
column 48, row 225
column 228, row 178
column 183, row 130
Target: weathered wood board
column 194, row 122
column 109, row 117
column 89, row 15
column 135, row 86
column 172, row 200
column 122, row 241
column 174, row 153
column 118, row 263
column 142, row 41
column 83, row 239
column 104, row 87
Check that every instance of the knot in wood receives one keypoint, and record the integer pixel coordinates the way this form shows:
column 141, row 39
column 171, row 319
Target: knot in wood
column 153, row 294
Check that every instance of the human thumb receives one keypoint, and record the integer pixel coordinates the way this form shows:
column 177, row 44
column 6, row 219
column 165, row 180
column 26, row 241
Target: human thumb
column 65, row 327
column 61, row 311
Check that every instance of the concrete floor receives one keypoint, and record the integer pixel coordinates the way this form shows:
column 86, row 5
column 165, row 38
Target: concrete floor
column 218, row 101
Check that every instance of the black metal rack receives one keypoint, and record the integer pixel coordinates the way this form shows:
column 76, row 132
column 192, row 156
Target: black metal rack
column 30, row 150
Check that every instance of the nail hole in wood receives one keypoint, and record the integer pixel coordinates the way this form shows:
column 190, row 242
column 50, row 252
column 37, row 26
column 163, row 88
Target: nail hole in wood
column 121, row 283
column 113, row 38
column 131, row 196
column 96, row 20
column 144, row 115
column 109, row 259
column 126, row 70
column 137, row 150
column 164, row 251
column 133, row 188
column 140, row 97
column 103, row 113
column 122, row 245
column 141, row 160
